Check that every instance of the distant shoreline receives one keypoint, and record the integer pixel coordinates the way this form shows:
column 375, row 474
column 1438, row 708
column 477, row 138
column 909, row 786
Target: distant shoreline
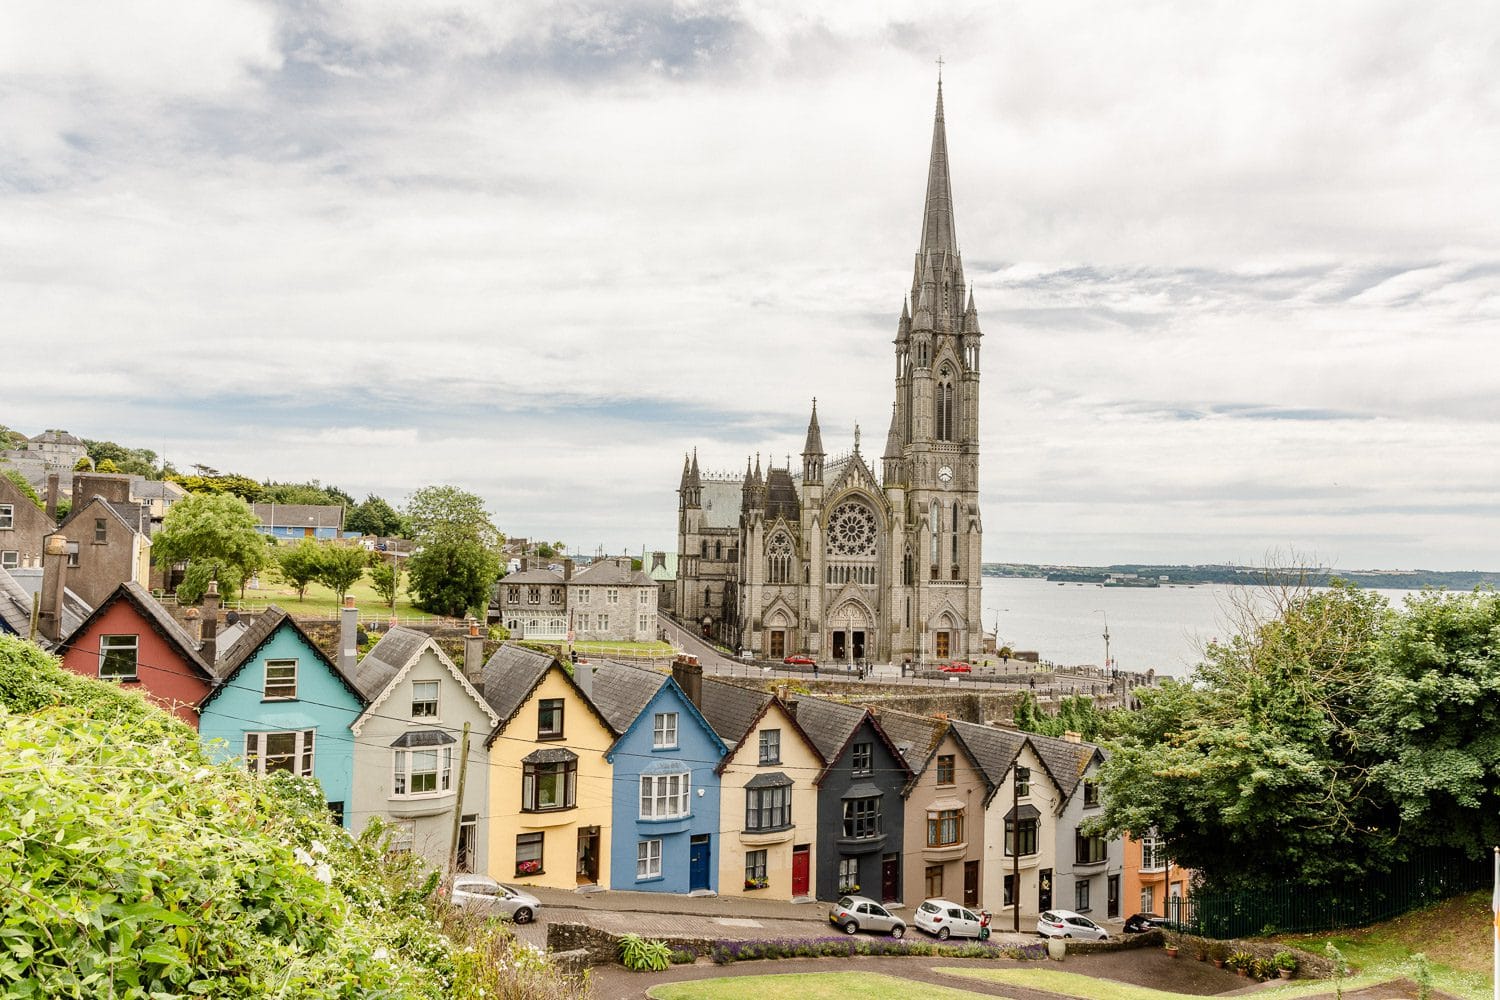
column 1151, row 576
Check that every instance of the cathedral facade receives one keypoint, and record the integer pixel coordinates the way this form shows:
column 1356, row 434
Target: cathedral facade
column 848, row 559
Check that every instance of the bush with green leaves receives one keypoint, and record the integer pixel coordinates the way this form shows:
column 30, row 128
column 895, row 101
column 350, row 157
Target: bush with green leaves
column 640, row 955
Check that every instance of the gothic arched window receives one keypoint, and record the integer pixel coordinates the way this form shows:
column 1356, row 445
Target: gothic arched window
column 942, row 404
column 718, row 550
column 906, row 570
column 705, row 548
column 779, row 559
column 934, row 527
column 955, row 540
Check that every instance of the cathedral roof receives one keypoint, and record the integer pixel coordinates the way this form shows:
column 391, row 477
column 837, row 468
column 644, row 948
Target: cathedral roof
column 722, row 499
column 781, row 496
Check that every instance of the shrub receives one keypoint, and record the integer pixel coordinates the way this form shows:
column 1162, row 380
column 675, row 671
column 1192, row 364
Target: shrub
column 639, row 955
column 1240, row 960
column 1285, row 960
column 681, row 956
column 725, row 952
column 1262, row 968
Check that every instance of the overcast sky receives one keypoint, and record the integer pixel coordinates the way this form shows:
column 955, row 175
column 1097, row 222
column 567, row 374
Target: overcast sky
column 1237, row 265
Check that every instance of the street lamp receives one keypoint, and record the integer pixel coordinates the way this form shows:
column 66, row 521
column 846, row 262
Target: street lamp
column 1100, row 611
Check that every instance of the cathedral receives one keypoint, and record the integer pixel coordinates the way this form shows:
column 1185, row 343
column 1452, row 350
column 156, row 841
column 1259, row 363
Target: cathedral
column 837, row 561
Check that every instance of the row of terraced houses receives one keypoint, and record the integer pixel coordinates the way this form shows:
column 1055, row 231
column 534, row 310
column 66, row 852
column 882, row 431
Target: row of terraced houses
column 626, row 777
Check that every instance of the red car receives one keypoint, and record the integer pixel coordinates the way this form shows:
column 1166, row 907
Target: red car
column 799, row 660
column 956, row 667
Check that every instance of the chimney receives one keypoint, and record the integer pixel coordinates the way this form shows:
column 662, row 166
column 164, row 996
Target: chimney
column 688, row 674
column 525, row 563
column 474, row 656
column 1073, row 737
column 787, row 700
column 567, row 570
column 54, row 581
column 348, row 636
column 52, row 491
column 583, row 676
column 208, row 628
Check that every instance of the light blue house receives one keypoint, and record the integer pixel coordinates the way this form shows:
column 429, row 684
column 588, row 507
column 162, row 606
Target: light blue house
column 281, row 705
column 665, row 828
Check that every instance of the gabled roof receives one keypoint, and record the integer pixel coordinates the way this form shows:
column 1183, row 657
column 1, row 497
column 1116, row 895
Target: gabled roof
column 391, row 659
column 260, row 632
column 623, row 685
column 128, row 514
column 920, row 736
column 154, row 615
column 610, row 573
column 546, row 576
column 1065, row 760
column 511, row 676
column 831, row 726
column 993, row 749
column 731, row 709
column 300, row 515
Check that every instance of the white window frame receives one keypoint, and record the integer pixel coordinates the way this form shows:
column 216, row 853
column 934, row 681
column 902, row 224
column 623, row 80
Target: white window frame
column 603, row 623
column 647, row 859
column 434, row 701
column 585, row 621
column 664, row 731
column 403, row 836
column 302, row 759
column 280, row 682
column 111, row 643
column 10, row 559
column 585, row 595
column 404, row 771
column 644, row 623
column 612, row 595
column 7, row 516
column 644, row 597
column 666, row 796
column 770, row 746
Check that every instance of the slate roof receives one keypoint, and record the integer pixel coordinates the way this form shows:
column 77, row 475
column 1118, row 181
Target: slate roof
column 156, row 616
column 608, row 571
column 131, row 515
column 1065, row 760
column 256, row 635
column 300, row 515
column 828, row 724
column 15, row 605
column 993, row 749
column 781, row 496
column 622, row 691
column 731, row 709
column 510, row 675
column 721, row 503
column 533, row 576
column 916, row 736
column 382, row 663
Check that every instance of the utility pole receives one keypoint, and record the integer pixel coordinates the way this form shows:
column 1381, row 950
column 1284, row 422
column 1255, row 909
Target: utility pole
column 1015, row 844
column 1106, row 640
column 458, row 807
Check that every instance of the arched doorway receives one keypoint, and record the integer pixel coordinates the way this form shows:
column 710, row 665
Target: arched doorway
column 851, row 633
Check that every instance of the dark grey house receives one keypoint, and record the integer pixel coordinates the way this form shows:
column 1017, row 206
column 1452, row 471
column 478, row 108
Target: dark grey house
column 861, row 813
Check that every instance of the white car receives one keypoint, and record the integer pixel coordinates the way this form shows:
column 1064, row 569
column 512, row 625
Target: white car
column 944, row 919
column 1067, row 924
column 483, row 891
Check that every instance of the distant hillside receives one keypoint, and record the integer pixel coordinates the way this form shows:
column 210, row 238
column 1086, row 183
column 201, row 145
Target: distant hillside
column 1248, row 575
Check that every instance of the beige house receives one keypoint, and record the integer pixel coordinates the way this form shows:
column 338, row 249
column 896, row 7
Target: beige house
column 768, row 800
column 23, row 525
column 107, row 543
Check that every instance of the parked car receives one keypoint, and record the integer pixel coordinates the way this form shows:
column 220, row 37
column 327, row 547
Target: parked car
column 859, row 913
column 799, row 660
column 1067, row 924
column 955, row 667
column 1140, row 922
column 944, row 919
column 483, row 891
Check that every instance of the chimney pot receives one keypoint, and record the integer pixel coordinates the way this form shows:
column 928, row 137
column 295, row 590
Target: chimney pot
column 1073, row 737
column 348, row 636
column 474, row 655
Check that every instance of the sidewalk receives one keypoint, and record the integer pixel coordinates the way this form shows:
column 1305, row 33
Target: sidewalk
column 621, row 901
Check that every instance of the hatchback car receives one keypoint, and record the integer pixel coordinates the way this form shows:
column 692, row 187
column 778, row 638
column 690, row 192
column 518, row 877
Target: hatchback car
column 1140, row 922
column 1067, row 924
column 484, row 892
column 857, row 913
column 944, row 919
column 956, row 667
column 799, row 660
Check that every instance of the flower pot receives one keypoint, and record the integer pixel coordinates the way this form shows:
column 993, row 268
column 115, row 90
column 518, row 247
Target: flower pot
column 1242, row 973
column 1202, row 956
column 1218, row 963
column 1171, row 952
column 1057, row 949
column 1285, row 973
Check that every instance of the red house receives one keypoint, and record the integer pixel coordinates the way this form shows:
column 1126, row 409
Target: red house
column 131, row 639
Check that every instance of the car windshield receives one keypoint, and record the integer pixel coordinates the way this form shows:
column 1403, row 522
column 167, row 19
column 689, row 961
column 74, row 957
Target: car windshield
column 479, row 888
column 1050, row 917
column 929, row 907
column 845, row 903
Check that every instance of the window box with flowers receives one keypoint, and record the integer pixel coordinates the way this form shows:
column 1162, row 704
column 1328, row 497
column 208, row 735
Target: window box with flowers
column 757, row 883
column 528, row 867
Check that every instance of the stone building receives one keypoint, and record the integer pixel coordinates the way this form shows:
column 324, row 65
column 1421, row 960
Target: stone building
column 606, row 601
column 849, row 558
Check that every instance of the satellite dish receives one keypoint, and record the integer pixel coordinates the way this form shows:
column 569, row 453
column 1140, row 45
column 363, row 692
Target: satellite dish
column 232, row 618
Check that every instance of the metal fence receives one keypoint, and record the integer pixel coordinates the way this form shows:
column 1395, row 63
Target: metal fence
column 1422, row 880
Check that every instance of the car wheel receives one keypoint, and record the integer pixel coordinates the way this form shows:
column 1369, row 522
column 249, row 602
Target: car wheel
column 942, row 933
column 1067, row 935
column 898, row 931
column 850, row 927
column 523, row 915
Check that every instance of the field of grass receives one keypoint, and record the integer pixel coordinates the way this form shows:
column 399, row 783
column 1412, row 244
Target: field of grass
column 1454, row 935
column 1072, row 984
column 809, row 986
column 322, row 601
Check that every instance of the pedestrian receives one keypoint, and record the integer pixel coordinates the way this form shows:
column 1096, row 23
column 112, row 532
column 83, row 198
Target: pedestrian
column 815, row 668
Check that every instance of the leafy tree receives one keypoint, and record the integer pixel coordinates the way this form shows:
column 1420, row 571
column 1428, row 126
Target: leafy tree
column 374, row 517
column 84, row 464
column 64, row 508
column 545, row 550
column 340, row 567
column 312, row 492
column 386, row 578
column 456, row 560
column 300, row 564
column 1075, row 713
column 136, row 461
column 11, row 439
column 26, row 489
column 216, row 534
column 108, row 465
column 241, row 486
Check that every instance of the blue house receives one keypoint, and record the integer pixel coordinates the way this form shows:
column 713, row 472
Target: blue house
column 281, row 705
column 666, row 789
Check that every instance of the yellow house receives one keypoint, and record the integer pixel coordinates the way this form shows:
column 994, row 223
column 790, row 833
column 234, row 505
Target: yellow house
column 550, row 786
column 768, row 809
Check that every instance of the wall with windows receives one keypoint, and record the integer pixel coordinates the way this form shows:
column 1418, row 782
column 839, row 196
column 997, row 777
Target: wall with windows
column 1036, row 835
column 407, row 760
column 540, row 807
column 119, row 643
column 286, row 709
column 757, row 844
column 861, row 819
column 1085, row 866
column 945, row 827
column 666, row 797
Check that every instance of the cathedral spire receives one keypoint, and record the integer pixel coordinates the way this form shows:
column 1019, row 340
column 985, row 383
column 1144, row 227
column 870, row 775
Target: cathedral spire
column 893, row 439
column 814, row 445
column 937, row 217
column 693, row 477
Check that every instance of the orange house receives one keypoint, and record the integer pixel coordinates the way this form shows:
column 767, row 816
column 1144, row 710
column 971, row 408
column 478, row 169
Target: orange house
column 132, row 640
column 1147, row 881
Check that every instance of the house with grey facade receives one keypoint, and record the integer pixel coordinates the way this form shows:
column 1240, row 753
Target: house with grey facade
column 605, row 601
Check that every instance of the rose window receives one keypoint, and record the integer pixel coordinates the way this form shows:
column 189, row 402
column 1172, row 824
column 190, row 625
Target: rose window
column 851, row 530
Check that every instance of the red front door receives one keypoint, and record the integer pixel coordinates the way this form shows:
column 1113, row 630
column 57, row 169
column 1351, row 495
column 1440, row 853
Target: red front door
column 800, row 856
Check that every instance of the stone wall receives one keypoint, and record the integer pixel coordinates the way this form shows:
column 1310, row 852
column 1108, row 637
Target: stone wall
column 599, row 947
column 1309, row 964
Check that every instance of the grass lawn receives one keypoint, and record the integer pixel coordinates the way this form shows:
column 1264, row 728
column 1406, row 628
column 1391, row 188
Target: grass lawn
column 809, row 986
column 1071, row 984
column 605, row 648
column 1454, row 935
column 321, row 601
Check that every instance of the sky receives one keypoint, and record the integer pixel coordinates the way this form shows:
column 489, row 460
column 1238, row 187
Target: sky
column 1237, row 265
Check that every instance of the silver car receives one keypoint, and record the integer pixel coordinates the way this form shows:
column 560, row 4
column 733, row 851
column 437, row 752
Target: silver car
column 1067, row 924
column 484, row 892
column 859, row 913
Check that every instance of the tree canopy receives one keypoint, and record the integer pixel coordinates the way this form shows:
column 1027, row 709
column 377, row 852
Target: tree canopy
column 341, row 566
column 374, row 516
column 25, row 487
column 456, row 560
column 311, row 492
column 299, row 564
column 137, row 461
column 1323, row 743
column 215, row 533
column 243, row 487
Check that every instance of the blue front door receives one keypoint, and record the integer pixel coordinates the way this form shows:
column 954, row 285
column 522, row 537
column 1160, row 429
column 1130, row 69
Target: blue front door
column 698, row 858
